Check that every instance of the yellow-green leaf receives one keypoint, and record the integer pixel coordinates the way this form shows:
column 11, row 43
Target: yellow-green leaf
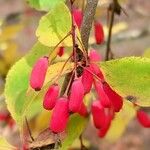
column 122, row 119
column 44, row 4
column 129, row 77
column 54, row 26
column 4, row 145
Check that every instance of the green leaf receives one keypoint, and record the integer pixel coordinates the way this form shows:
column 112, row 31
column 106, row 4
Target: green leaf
column 17, row 81
column 54, row 26
column 44, row 5
column 129, row 77
column 4, row 145
column 20, row 99
column 75, row 127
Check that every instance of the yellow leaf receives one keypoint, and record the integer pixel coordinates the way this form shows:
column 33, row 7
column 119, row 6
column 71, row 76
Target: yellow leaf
column 4, row 145
column 10, row 32
column 122, row 119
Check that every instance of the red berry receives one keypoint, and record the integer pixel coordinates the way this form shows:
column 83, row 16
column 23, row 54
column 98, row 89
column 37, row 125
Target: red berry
column 87, row 79
column 99, row 33
column 83, row 110
column 76, row 96
column 51, row 97
column 78, row 16
column 106, row 125
column 38, row 73
column 98, row 114
column 104, row 99
column 3, row 117
column 60, row 51
column 143, row 118
column 97, row 71
column 60, row 116
column 94, row 55
column 116, row 99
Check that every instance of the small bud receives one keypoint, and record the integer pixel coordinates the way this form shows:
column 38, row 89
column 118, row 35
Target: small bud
column 60, row 116
column 143, row 118
column 87, row 79
column 94, row 55
column 115, row 99
column 78, row 16
column 106, row 125
column 98, row 114
column 60, row 51
column 51, row 97
column 104, row 99
column 76, row 96
column 83, row 110
column 38, row 73
column 99, row 33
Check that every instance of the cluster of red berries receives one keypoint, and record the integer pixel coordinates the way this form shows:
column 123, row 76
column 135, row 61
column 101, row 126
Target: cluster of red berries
column 102, row 109
column 107, row 102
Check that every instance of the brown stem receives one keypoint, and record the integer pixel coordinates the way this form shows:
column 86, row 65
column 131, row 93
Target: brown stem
column 108, row 49
column 87, row 21
column 30, row 134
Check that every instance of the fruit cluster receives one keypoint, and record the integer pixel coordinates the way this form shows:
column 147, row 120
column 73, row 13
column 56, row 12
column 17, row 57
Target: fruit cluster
column 86, row 76
column 108, row 101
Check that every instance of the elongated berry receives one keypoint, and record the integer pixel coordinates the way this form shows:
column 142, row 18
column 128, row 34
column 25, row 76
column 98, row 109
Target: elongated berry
column 106, row 124
column 97, row 71
column 98, row 114
column 3, row 117
column 87, row 79
column 60, row 51
column 99, row 33
column 38, row 73
column 115, row 99
column 60, row 116
column 143, row 118
column 78, row 16
column 76, row 96
column 94, row 55
column 83, row 110
column 104, row 99
column 51, row 97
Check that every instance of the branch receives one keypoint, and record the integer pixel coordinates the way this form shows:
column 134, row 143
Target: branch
column 87, row 21
column 108, row 49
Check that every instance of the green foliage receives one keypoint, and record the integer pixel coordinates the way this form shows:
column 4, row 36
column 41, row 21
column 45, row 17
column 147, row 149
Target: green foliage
column 129, row 77
column 20, row 98
column 54, row 26
column 74, row 129
column 17, row 81
column 44, row 5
